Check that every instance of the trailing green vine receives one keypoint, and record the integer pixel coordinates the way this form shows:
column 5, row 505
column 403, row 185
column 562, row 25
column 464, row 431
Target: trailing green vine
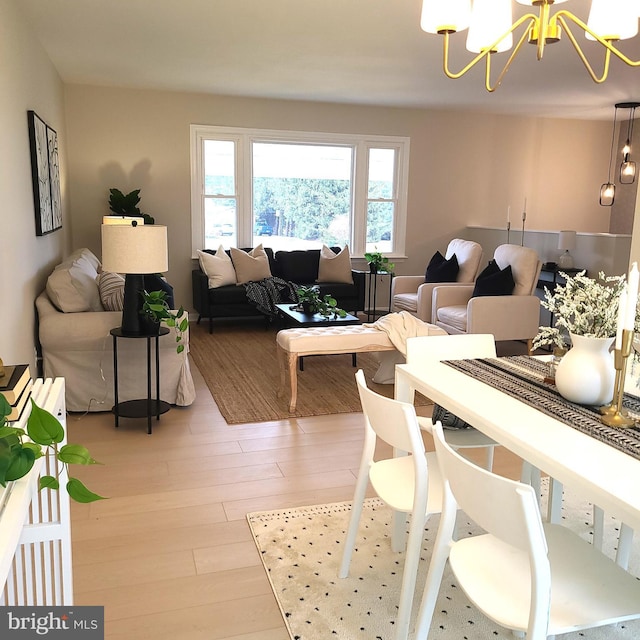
column 19, row 449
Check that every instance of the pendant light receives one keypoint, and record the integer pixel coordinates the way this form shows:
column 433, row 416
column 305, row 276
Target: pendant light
column 628, row 167
column 608, row 189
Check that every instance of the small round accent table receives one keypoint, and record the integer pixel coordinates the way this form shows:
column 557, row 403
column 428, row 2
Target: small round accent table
column 145, row 407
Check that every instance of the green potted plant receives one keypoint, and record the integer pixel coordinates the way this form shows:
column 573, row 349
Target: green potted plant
column 156, row 310
column 19, row 450
column 127, row 204
column 310, row 301
column 378, row 262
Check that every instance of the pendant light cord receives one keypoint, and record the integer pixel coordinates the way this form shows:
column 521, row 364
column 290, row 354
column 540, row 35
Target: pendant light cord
column 630, row 132
column 613, row 140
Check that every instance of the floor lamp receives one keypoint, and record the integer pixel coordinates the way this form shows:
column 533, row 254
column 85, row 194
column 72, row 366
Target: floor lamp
column 134, row 250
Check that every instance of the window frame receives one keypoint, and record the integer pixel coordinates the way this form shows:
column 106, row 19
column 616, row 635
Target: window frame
column 243, row 139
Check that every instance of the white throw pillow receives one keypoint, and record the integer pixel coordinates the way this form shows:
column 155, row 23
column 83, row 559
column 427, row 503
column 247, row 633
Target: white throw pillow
column 218, row 267
column 73, row 286
column 111, row 289
column 334, row 267
column 252, row 266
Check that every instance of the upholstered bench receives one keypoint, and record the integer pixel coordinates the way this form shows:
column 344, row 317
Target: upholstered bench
column 294, row 344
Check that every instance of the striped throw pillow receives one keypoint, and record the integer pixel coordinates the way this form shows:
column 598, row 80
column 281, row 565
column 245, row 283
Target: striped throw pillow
column 111, row 288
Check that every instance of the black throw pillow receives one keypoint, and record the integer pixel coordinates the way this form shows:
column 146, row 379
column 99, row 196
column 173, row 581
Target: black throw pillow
column 440, row 269
column 494, row 281
column 154, row 282
column 449, row 420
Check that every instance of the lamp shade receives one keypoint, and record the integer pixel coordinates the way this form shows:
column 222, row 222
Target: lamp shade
column 134, row 249
column 490, row 19
column 567, row 240
column 439, row 16
column 613, row 19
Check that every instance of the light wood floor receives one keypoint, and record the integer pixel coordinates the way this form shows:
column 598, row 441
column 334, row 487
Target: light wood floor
column 170, row 554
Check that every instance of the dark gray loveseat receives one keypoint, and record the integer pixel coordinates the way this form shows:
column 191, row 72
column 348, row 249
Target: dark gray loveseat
column 301, row 267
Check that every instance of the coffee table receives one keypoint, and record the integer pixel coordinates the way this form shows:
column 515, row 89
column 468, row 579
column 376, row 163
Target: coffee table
column 292, row 319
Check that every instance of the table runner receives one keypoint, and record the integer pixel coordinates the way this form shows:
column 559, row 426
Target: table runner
column 522, row 377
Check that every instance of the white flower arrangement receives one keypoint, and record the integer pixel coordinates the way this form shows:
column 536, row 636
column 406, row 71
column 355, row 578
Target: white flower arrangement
column 583, row 306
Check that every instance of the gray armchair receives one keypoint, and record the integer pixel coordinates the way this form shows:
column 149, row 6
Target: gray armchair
column 413, row 294
column 507, row 317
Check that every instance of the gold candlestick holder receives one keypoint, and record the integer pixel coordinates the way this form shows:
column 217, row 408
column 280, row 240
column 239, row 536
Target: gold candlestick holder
column 614, row 415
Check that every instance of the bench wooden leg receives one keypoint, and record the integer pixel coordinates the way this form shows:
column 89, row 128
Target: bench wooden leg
column 293, row 380
column 282, row 365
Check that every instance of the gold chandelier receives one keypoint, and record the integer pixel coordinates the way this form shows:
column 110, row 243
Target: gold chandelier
column 491, row 30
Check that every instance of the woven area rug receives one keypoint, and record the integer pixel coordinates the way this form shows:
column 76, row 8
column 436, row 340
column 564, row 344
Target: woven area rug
column 301, row 550
column 240, row 367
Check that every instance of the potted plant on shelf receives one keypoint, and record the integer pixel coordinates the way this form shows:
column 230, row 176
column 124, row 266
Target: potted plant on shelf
column 127, row 205
column 310, row 301
column 156, row 310
column 378, row 262
column 44, row 432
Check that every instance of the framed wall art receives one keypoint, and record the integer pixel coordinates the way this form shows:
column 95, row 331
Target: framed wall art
column 45, row 174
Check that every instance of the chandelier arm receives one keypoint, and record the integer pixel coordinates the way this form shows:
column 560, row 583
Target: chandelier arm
column 529, row 17
column 583, row 57
column 563, row 13
column 487, row 80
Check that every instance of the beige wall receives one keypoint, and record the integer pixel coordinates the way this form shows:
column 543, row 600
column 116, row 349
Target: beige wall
column 465, row 168
column 28, row 81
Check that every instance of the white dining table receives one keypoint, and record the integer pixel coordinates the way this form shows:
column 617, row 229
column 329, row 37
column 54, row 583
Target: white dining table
column 593, row 469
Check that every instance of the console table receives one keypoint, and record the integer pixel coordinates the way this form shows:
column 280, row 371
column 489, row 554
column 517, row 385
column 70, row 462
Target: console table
column 145, row 407
column 550, row 277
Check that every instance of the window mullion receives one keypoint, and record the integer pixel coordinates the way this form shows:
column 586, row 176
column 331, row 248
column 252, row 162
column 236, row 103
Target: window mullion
column 359, row 232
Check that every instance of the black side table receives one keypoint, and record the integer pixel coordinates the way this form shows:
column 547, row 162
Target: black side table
column 550, row 278
column 373, row 293
column 145, row 407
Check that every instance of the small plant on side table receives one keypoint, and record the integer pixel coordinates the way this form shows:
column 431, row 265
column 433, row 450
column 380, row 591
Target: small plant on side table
column 310, row 301
column 378, row 262
column 155, row 307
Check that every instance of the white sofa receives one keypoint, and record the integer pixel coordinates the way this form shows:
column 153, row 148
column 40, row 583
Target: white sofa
column 73, row 332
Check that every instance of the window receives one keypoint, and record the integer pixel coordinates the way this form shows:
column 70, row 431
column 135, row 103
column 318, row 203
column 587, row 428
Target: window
column 297, row 190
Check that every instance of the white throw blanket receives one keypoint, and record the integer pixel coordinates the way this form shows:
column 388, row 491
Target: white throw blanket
column 399, row 327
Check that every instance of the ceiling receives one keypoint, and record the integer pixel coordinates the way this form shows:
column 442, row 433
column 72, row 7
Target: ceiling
column 348, row 51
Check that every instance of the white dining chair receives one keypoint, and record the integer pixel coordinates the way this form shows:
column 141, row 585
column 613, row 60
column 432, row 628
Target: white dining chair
column 533, row 578
column 454, row 347
column 409, row 484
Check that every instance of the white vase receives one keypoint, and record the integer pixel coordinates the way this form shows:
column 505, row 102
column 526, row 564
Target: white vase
column 586, row 373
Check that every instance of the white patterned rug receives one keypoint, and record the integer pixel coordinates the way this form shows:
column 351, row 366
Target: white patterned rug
column 301, row 550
